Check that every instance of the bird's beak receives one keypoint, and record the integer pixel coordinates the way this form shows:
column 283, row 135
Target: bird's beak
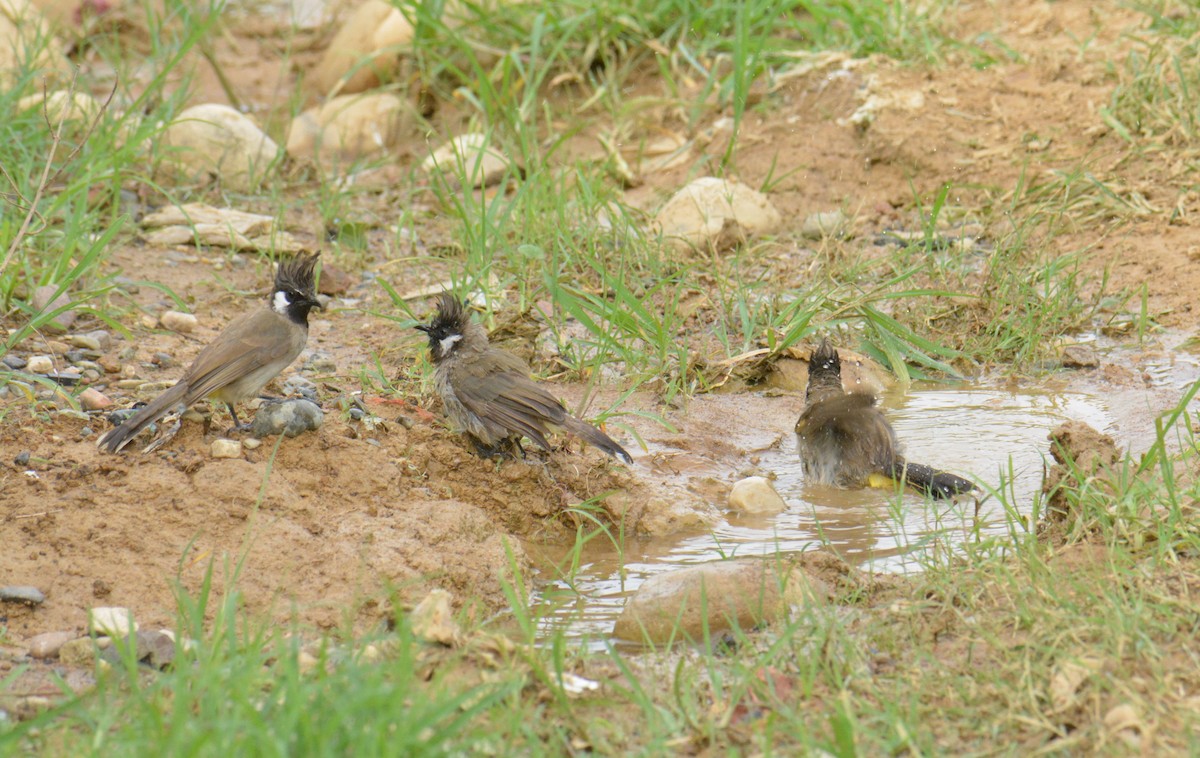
column 422, row 328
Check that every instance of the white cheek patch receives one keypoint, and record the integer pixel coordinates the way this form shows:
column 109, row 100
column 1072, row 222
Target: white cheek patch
column 280, row 303
column 447, row 344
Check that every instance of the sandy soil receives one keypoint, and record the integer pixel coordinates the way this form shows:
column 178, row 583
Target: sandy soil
column 353, row 518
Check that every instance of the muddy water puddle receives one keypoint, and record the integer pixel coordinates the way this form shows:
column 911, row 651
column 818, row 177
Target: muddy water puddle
column 989, row 435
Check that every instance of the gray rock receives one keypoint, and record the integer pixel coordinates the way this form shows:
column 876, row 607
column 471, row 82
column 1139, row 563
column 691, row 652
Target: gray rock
column 14, row 362
column 75, row 356
column 320, row 363
column 22, row 594
column 22, row 458
column 153, row 648
column 302, row 386
column 85, row 341
column 290, row 417
column 48, row 644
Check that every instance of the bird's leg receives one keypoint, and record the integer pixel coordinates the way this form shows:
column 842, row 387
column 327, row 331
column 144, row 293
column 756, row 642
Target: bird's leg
column 484, row 450
column 238, row 426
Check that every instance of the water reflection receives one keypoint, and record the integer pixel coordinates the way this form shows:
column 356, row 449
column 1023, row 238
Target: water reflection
column 979, row 433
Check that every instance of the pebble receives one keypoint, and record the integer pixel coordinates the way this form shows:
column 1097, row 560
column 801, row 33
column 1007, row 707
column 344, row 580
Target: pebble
column 22, row 458
column 57, row 348
column 251, row 444
column 68, row 378
column 42, row 302
column 111, row 621
column 321, row 363
column 48, row 644
column 754, row 494
column 22, row 594
column 130, row 384
column 184, row 323
column 822, row 225
column 223, row 448
column 289, row 417
column 78, row 653
column 712, row 214
column 1080, row 356
column 433, row 621
column 84, row 340
column 75, row 356
column 14, row 362
column 110, row 364
column 162, row 360
column 40, row 364
column 94, row 400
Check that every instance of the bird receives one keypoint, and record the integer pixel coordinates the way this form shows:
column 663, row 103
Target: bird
column 488, row 392
column 250, row 352
column 844, row 439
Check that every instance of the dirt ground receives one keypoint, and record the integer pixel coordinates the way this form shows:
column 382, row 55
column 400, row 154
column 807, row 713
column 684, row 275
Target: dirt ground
column 357, row 515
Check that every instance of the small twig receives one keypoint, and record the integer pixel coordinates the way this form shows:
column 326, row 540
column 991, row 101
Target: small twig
column 38, row 515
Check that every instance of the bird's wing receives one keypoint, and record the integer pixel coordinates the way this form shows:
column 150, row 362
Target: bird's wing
column 248, row 343
column 512, row 400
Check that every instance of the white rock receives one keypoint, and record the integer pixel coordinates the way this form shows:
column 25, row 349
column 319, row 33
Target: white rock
column 350, row 127
column 365, row 51
column 467, row 161
column 62, row 106
column 754, row 494
column 226, row 449
column 433, row 621
column 184, row 323
column 711, row 214
column 26, row 42
column 216, row 139
column 821, row 225
column 111, row 621
column 40, row 364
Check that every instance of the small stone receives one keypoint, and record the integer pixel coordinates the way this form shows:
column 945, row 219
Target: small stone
column 1080, row 356
column 306, row 662
column 102, row 337
column 184, row 323
column 22, row 594
column 289, row 417
column 48, row 644
column 78, row 653
column 111, row 621
column 68, row 378
column 57, row 348
column 755, row 494
column 110, row 363
column 251, row 444
column 85, row 341
column 42, row 303
column 74, row 356
column 433, row 621
column 162, row 360
column 14, row 362
column 320, row 363
column 40, row 364
column 93, row 399
column 226, row 449
column 822, row 225
column 468, row 161
column 22, row 458
column 130, row 384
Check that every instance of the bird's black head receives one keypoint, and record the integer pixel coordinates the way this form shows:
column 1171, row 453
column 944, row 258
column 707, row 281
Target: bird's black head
column 295, row 294
column 448, row 327
column 824, row 373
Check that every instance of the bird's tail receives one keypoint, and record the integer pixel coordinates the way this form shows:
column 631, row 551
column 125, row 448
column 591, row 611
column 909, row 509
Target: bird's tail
column 594, row 436
column 117, row 438
column 936, row 484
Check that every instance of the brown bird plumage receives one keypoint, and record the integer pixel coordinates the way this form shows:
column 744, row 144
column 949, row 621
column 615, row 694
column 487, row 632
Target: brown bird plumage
column 251, row 351
column 844, row 439
column 488, row 392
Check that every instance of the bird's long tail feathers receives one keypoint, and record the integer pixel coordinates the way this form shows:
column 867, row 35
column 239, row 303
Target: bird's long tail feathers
column 594, row 436
column 117, row 438
column 936, row 484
